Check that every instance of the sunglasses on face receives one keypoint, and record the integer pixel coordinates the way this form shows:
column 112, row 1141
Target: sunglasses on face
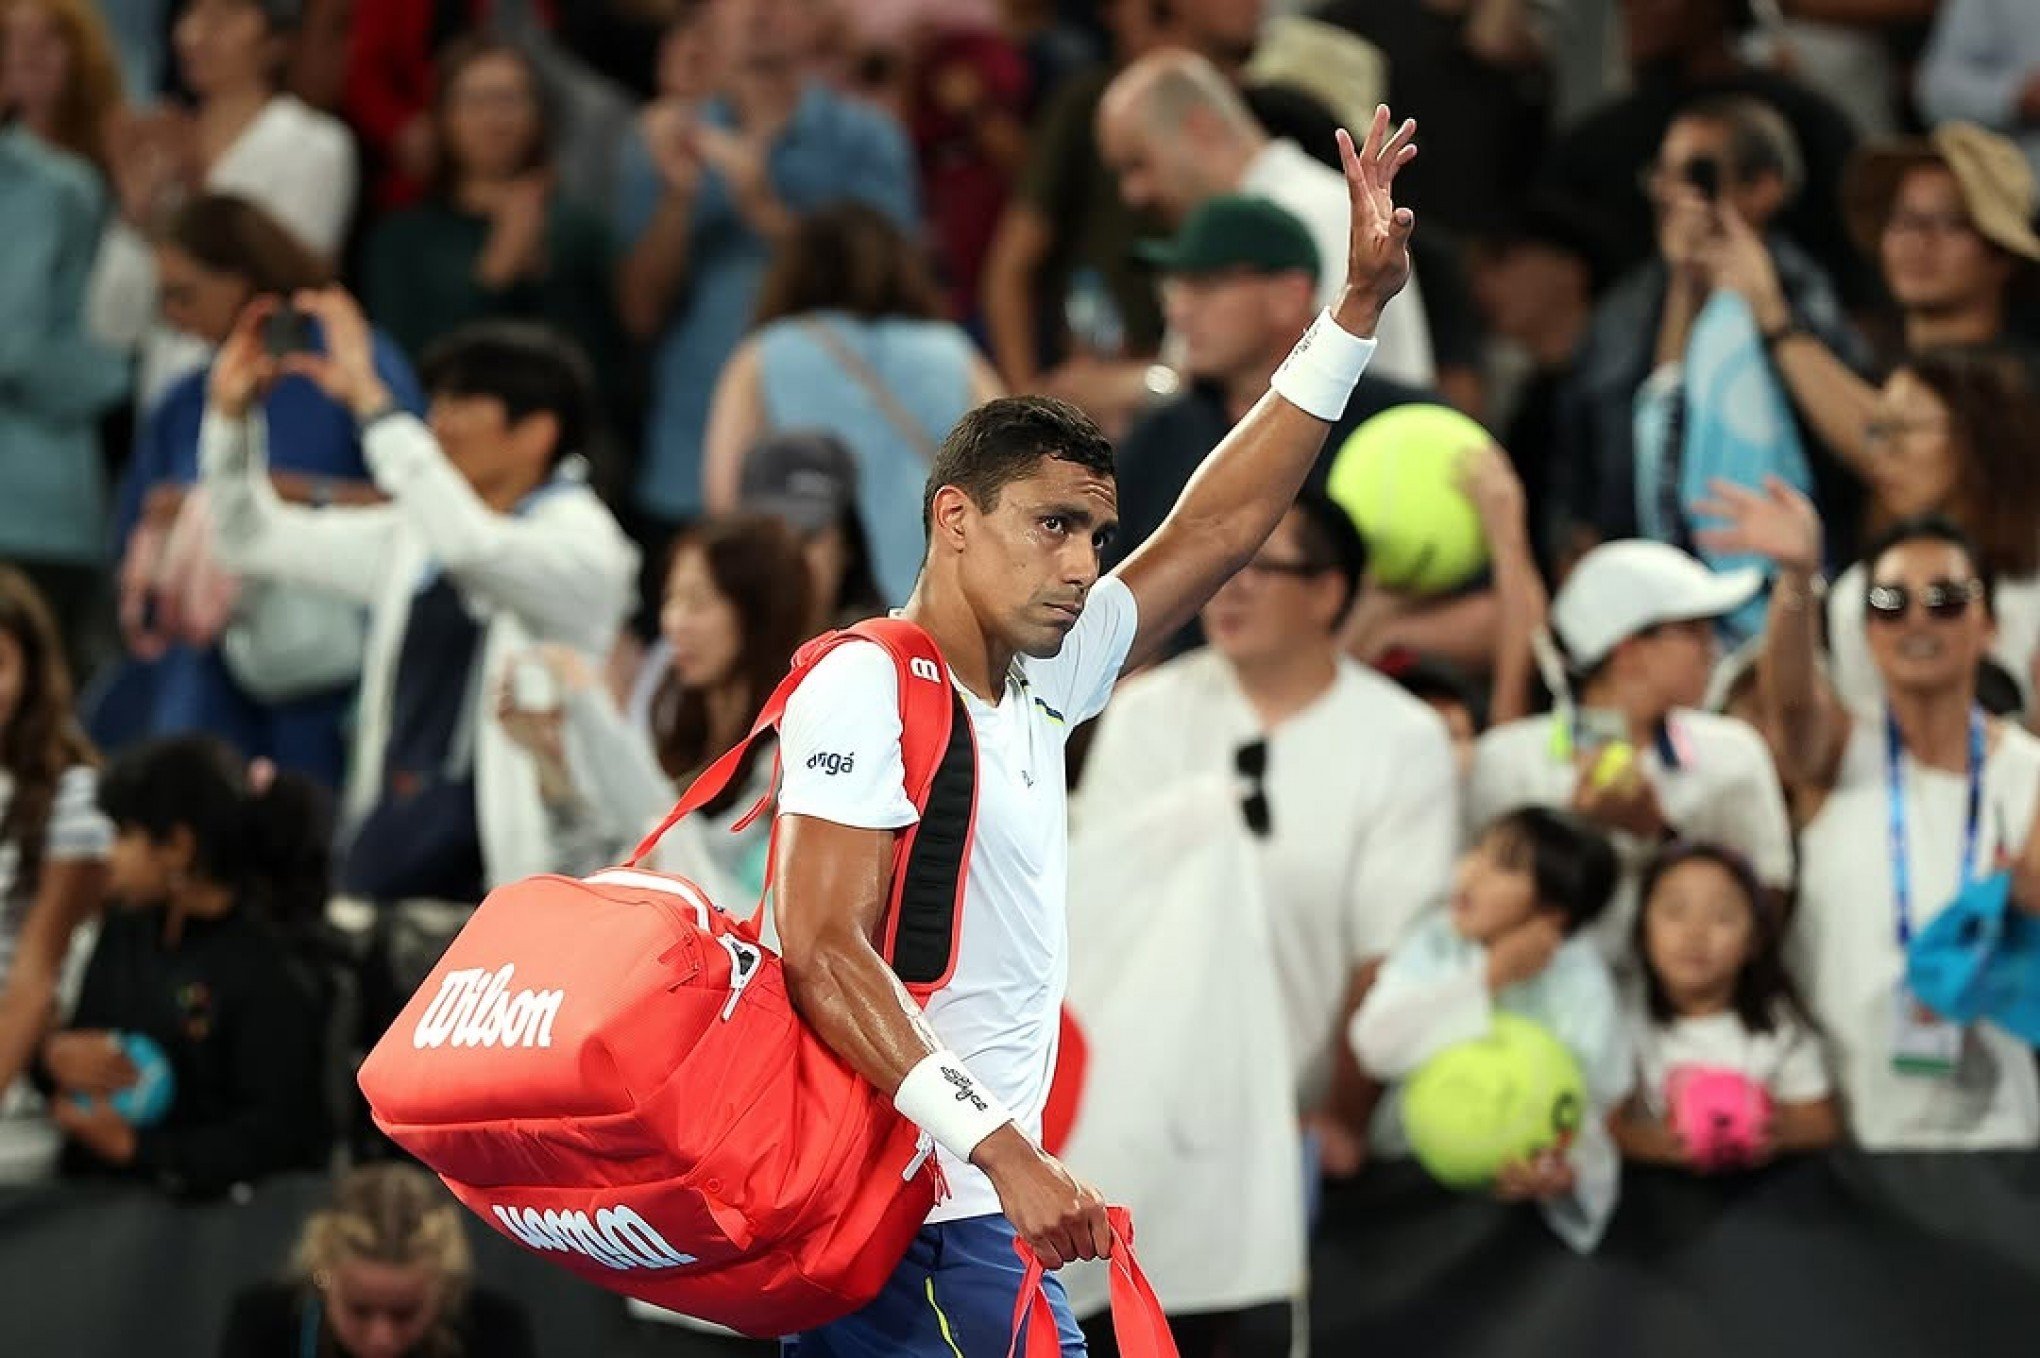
column 1944, row 600
column 1250, row 761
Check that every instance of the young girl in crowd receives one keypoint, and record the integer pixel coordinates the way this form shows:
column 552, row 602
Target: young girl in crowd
column 210, row 865
column 383, row 1270
column 53, row 848
column 1511, row 941
column 736, row 608
column 1730, row 1071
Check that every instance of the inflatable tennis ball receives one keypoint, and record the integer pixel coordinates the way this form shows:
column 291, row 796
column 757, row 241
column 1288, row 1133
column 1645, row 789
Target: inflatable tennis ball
column 1398, row 477
column 1491, row 1102
column 147, row 1101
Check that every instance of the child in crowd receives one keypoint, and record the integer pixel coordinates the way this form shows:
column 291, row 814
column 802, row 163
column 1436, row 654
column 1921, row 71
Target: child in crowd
column 1730, row 1068
column 1512, row 941
column 383, row 1269
column 53, row 847
column 208, row 862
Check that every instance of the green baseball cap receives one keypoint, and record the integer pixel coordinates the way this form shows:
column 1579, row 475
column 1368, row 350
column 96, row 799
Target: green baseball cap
column 1235, row 231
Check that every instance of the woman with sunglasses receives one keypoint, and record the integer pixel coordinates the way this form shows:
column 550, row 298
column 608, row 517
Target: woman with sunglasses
column 1954, row 434
column 1927, row 796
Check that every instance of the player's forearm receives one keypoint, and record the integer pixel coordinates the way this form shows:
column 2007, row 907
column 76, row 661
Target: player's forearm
column 843, row 989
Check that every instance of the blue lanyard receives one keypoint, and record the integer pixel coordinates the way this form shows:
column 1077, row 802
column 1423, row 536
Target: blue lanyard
column 1901, row 864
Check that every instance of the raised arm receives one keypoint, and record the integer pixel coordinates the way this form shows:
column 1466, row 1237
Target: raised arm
column 1247, row 484
column 1782, row 524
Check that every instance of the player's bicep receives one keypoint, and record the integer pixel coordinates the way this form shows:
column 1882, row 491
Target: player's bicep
column 831, row 886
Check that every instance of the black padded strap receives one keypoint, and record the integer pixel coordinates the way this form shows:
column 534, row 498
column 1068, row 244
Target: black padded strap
column 931, row 889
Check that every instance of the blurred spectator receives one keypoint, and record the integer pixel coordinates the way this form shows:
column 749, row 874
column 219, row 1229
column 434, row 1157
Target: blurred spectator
column 1635, row 619
column 850, row 340
column 1925, row 798
column 966, row 111
column 1983, row 66
column 491, row 542
column 1642, row 326
column 1514, row 939
column 1446, row 692
column 494, row 238
column 1535, row 277
column 211, row 865
column 807, row 479
column 243, row 138
column 1718, row 998
column 392, row 80
column 59, row 75
column 1471, row 72
column 317, row 72
column 1060, row 285
column 58, row 83
column 708, row 190
column 1857, row 53
column 1680, row 50
column 1177, row 135
column 1239, row 282
column 219, row 255
column 1956, row 433
column 384, row 1271
column 1950, row 221
column 53, row 848
column 1350, row 851
column 735, row 609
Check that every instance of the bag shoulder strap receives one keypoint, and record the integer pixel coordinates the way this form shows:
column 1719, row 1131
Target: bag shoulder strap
column 939, row 753
column 865, row 376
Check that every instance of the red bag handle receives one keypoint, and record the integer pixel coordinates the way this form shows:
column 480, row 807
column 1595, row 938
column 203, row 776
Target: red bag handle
column 1138, row 1322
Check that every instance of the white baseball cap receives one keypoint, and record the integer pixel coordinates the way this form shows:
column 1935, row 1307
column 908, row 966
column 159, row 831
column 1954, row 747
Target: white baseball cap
column 1622, row 588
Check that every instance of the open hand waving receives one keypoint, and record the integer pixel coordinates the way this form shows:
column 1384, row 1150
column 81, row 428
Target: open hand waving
column 1378, row 243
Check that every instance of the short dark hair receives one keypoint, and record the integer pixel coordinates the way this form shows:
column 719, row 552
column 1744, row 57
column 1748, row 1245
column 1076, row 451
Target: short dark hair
column 1571, row 863
column 532, row 370
column 1331, row 541
column 230, row 235
column 853, row 258
column 1760, row 141
column 1930, row 528
column 1764, row 985
column 1436, row 681
column 1003, row 440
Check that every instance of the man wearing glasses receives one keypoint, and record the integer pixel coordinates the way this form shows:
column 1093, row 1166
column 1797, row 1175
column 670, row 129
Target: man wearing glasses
column 1346, row 783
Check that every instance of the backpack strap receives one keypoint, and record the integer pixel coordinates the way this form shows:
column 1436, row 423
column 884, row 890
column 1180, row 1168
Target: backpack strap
column 938, row 748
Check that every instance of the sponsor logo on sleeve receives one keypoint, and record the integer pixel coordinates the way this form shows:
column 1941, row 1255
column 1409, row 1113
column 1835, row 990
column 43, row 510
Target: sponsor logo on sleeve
column 831, row 763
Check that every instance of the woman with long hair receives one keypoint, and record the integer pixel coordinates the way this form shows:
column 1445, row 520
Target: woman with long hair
column 850, row 339
column 58, row 83
column 240, row 136
column 53, row 848
column 382, row 1271
column 194, row 1000
column 219, row 255
column 494, row 238
column 735, row 610
column 1955, row 434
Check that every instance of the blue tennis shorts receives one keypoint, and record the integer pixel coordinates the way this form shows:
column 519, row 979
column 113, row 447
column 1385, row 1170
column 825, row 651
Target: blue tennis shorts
column 951, row 1297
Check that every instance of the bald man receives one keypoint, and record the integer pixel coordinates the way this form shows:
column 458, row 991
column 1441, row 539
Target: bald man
column 1176, row 133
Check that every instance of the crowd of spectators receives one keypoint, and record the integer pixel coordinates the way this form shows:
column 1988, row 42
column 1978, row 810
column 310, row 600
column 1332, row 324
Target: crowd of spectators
column 428, row 428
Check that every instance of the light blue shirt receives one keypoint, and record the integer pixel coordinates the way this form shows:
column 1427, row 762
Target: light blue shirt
column 833, row 148
column 55, row 381
column 1977, row 62
column 925, row 366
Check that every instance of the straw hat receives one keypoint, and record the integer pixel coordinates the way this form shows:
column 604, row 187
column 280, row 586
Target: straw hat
column 1996, row 182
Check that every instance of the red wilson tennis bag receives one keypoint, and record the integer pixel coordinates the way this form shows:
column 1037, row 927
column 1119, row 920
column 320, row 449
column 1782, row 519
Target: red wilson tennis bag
column 610, row 1072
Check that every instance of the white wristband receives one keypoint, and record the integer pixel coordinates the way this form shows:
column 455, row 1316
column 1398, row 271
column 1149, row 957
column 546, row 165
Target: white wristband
column 1320, row 371
column 943, row 1099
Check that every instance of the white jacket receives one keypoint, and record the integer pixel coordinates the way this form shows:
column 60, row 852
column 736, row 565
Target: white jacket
column 560, row 571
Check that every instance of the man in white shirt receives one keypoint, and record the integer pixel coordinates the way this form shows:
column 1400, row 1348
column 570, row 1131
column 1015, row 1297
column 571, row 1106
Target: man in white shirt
column 1633, row 753
column 1177, row 133
column 1349, row 789
column 1018, row 505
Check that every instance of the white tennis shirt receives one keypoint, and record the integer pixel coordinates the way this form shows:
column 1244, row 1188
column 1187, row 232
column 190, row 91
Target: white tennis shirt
column 841, row 762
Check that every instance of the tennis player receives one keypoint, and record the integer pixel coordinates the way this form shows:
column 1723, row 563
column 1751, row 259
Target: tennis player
column 1018, row 504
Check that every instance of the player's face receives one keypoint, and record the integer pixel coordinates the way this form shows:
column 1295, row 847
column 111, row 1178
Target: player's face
column 1029, row 563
